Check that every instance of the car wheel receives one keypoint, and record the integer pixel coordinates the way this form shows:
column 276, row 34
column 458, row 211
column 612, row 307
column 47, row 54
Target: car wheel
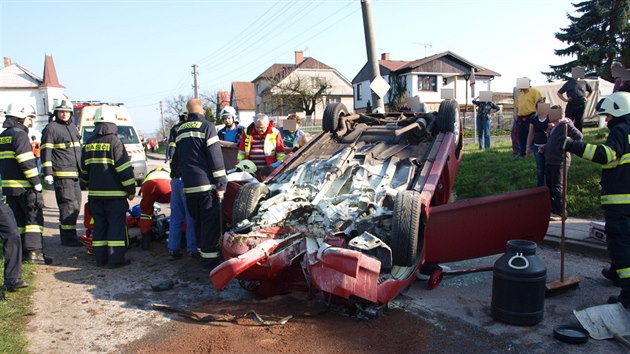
column 448, row 118
column 406, row 225
column 332, row 113
column 246, row 202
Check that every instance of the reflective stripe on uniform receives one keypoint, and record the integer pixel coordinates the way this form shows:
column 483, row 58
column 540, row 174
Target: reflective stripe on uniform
column 93, row 193
column 47, row 164
column 609, row 199
column 213, row 140
column 99, row 161
column 128, row 182
column 67, row 227
column 219, row 173
column 34, row 228
column 185, row 135
column 99, row 243
column 116, row 243
column 25, row 157
column 14, row 183
column 61, row 145
column 66, row 174
column 207, row 187
column 623, row 273
column 31, row 173
column 623, row 160
column 123, row 166
column 7, row 155
column 146, row 217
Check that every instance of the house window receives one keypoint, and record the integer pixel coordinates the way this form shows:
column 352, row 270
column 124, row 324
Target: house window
column 330, row 100
column 316, row 81
column 359, row 96
column 427, row 83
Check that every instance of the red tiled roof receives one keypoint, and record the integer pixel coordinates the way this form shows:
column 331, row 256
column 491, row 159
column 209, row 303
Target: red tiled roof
column 280, row 71
column 243, row 95
column 50, row 73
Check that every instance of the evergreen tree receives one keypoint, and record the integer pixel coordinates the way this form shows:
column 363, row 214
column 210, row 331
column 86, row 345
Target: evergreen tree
column 597, row 37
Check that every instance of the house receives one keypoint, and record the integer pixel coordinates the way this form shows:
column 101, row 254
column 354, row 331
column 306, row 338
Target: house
column 424, row 78
column 280, row 90
column 21, row 86
column 243, row 99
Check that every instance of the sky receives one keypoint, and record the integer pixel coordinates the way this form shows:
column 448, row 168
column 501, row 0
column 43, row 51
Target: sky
column 141, row 52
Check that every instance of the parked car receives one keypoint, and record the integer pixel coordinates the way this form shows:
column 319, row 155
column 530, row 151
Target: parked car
column 358, row 210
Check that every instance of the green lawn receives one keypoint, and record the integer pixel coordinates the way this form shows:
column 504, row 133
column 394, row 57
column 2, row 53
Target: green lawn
column 487, row 172
column 14, row 313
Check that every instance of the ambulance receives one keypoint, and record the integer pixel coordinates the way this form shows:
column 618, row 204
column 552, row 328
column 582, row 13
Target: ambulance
column 84, row 119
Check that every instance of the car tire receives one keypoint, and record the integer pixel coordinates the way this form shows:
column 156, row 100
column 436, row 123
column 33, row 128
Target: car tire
column 406, row 225
column 448, row 118
column 332, row 113
column 246, row 201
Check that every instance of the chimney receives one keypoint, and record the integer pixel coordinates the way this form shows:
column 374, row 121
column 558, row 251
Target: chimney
column 384, row 56
column 299, row 56
column 7, row 61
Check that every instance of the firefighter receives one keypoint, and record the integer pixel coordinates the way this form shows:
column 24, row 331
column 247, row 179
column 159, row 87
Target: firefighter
column 614, row 155
column 156, row 187
column 199, row 159
column 20, row 181
column 61, row 160
column 107, row 170
column 11, row 249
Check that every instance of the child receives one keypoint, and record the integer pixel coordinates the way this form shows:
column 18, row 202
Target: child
column 553, row 157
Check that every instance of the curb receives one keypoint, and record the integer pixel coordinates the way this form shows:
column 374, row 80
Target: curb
column 592, row 248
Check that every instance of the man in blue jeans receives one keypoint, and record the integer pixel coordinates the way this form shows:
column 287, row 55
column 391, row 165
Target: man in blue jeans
column 484, row 122
column 179, row 211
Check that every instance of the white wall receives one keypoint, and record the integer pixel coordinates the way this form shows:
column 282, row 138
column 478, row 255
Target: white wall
column 35, row 97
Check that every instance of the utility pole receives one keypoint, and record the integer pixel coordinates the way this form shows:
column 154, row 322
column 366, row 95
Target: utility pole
column 195, row 77
column 163, row 124
column 370, row 45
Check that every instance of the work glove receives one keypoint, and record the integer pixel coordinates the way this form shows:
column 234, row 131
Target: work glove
column 34, row 199
column 48, row 179
column 276, row 164
column 131, row 196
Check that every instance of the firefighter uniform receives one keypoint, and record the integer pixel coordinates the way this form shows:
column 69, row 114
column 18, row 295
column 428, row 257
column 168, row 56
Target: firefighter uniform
column 156, row 187
column 107, row 170
column 199, row 159
column 12, row 247
column 61, row 158
column 614, row 155
column 21, row 185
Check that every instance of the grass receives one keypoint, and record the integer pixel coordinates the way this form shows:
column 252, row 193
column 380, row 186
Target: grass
column 493, row 171
column 14, row 314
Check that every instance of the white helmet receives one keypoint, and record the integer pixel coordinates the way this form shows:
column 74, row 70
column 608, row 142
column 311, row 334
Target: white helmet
column 21, row 112
column 64, row 107
column 617, row 104
column 228, row 111
column 105, row 114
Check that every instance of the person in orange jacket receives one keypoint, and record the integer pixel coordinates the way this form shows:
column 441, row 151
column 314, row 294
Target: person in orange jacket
column 156, row 187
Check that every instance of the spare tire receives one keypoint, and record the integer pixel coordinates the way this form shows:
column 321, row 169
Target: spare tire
column 448, row 118
column 246, row 201
column 332, row 113
column 406, row 227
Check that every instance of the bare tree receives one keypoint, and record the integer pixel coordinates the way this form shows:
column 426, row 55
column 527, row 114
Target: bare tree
column 299, row 93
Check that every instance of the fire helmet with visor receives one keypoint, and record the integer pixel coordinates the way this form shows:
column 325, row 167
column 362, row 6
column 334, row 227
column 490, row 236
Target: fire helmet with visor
column 105, row 114
column 616, row 104
column 21, row 111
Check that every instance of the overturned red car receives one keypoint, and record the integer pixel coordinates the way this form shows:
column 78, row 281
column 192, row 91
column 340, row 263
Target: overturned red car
column 362, row 207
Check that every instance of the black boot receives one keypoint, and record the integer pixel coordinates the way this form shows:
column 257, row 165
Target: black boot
column 37, row 257
column 146, row 241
